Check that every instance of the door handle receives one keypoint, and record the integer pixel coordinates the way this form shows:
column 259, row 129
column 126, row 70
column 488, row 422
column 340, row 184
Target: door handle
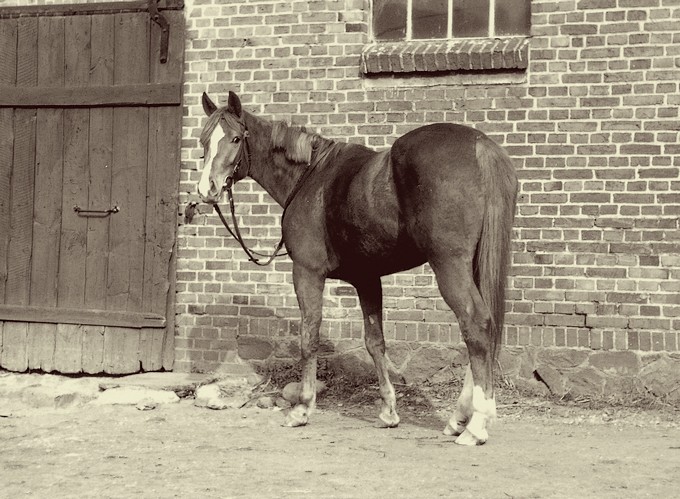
column 95, row 213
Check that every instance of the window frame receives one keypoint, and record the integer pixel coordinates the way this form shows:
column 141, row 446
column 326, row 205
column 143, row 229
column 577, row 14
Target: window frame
column 491, row 27
column 449, row 21
column 445, row 55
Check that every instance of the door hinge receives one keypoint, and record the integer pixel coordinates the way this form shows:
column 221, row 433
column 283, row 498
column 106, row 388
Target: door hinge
column 162, row 22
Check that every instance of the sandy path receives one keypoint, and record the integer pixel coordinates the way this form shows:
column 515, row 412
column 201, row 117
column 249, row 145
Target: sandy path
column 183, row 451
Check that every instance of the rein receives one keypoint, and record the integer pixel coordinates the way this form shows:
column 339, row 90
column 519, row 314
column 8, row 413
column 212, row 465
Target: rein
column 244, row 156
column 236, row 234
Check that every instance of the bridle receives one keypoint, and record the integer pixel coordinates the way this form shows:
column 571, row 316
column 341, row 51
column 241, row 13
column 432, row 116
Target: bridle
column 243, row 157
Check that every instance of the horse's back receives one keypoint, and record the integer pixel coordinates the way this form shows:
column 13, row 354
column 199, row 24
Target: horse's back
column 436, row 149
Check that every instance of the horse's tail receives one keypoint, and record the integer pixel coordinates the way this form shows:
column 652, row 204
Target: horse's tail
column 492, row 259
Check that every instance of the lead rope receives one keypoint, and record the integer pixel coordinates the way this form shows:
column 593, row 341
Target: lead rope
column 236, row 234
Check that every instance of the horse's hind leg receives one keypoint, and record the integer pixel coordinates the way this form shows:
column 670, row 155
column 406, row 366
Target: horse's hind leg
column 309, row 290
column 370, row 296
column 463, row 411
column 476, row 405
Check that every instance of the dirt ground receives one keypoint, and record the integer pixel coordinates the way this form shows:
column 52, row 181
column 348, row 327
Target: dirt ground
column 537, row 449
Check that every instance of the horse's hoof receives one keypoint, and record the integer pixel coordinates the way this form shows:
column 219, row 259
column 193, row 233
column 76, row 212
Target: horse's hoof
column 467, row 438
column 454, row 427
column 389, row 420
column 450, row 431
column 296, row 417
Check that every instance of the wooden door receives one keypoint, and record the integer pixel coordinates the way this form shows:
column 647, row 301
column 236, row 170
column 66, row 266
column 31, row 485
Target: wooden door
column 90, row 130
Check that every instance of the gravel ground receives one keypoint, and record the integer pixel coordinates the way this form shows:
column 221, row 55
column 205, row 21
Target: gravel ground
column 536, row 449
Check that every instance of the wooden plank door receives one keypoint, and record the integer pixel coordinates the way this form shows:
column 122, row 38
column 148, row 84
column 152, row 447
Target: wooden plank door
column 90, row 117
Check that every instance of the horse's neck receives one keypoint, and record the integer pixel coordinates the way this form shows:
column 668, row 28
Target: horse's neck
column 272, row 172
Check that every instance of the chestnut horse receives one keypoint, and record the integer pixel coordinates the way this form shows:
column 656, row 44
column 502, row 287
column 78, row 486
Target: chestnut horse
column 443, row 194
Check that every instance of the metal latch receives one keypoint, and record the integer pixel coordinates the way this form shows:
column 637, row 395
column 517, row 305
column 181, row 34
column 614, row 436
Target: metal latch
column 158, row 18
column 95, row 213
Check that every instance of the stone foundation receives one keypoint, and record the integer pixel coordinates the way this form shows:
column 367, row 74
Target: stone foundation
column 559, row 371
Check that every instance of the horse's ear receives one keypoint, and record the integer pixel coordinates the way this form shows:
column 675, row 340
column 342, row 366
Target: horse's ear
column 234, row 105
column 208, row 105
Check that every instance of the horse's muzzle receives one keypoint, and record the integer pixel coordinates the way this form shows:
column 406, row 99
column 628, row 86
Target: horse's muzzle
column 211, row 197
column 214, row 195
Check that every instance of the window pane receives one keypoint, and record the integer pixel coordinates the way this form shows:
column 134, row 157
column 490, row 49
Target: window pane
column 389, row 19
column 513, row 17
column 430, row 18
column 471, row 17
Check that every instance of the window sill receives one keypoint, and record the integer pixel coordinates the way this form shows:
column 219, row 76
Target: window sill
column 450, row 55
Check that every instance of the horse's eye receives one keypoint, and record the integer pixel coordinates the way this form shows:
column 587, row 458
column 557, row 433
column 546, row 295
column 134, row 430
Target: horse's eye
column 236, row 140
column 202, row 156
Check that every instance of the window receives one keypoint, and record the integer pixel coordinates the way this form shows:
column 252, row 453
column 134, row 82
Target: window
column 403, row 20
column 443, row 36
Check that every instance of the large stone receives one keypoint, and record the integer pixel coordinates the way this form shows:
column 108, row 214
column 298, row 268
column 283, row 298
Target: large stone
column 624, row 362
column 358, row 364
column 621, row 385
column 287, row 349
column 561, row 358
column 223, row 395
column 552, row 379
column 510, row 361
column 265, row 402
column 527, row 363
column 662, row 377
column 347, row 346
column 398, row 352
column 425, row 362
column 586, row 381
column 326, row 348
column 532, row 387
column 253, row 348
column 133, row 395
column 353, row 364
column 182, row 384
column 448, row 375
column 291, row 392
column 647, row 358
column 47, row 390
column 206, row 393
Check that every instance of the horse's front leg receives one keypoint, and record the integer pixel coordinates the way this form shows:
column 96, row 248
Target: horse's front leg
column 309, row 290
column 370, row 296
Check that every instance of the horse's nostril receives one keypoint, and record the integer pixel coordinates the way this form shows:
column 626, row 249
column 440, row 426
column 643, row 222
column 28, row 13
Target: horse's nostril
column 213, row 187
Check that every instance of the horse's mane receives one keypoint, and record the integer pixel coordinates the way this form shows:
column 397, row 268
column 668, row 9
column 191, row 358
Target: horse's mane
column 294, row 142
column 297, row 144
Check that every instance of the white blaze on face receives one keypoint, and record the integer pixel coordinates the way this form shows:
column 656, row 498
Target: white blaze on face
column 204, row 183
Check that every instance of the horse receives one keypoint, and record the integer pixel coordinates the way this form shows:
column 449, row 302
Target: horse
column 443, row 193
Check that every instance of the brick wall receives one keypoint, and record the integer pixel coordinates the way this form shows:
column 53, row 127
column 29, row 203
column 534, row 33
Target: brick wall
column 592, row 125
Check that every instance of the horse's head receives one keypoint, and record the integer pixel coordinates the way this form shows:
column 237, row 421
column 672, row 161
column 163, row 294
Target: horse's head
column 225, row 148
